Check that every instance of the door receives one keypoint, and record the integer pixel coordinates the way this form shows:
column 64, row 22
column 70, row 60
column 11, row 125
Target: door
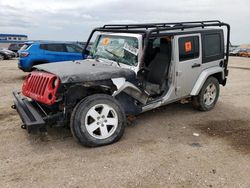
column 189, row 59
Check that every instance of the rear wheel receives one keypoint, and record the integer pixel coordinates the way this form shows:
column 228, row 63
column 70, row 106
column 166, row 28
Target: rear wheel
column 208, row 96
column 2, row 57
column 98, row 120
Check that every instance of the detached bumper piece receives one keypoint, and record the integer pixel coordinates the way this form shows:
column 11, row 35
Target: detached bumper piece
column 32, row 120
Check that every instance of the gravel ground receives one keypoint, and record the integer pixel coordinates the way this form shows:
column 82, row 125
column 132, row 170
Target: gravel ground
column 159, row 149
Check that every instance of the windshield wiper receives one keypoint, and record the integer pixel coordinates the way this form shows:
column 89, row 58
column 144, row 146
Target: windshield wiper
column 116, row 56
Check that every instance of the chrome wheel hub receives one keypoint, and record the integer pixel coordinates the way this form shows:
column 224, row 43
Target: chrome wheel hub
column 101, row 121
column 210, row 94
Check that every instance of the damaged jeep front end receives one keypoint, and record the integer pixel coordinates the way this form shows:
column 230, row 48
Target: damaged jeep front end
column 37, row 105
column 46, row 100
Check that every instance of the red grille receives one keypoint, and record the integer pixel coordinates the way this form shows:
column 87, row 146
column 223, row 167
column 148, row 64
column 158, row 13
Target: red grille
column 41, row 87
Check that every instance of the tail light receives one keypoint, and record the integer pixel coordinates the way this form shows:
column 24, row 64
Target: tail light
column 24, row 54
column 41, row 87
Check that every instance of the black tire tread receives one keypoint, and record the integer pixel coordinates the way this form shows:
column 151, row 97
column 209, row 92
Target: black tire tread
column 198, row 100
column 82, row 138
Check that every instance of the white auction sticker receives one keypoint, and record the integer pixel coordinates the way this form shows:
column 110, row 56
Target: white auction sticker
column 130, row 49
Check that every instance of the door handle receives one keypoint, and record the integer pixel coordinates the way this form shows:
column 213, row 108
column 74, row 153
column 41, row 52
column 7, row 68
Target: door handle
column 196, row 65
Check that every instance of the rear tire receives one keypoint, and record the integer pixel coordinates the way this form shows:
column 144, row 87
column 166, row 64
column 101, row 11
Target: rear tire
column 97, row 120
column 208, row 96
column 2, row 57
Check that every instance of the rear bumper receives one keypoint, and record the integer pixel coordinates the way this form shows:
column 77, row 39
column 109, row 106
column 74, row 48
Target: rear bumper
column 8, row 56
column 32, row 119
column 23, row 64
column 23, row 69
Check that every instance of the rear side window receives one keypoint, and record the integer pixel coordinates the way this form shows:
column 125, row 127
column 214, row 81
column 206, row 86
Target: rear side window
column 53, row 47
column 188, row 48
column 213, row 46
column 25, row 46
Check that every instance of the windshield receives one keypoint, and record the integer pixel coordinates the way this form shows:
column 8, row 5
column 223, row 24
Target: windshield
column 117, row 48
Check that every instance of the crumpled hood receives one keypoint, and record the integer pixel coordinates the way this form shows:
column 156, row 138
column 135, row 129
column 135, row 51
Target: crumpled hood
column 85, row 70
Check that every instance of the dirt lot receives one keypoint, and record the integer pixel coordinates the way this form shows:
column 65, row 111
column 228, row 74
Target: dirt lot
column 157, row 150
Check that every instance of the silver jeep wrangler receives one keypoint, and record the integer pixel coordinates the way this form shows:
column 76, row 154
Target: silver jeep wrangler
column 130, row 69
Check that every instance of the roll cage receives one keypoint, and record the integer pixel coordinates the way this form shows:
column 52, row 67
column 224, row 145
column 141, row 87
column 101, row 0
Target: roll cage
column 156, row 29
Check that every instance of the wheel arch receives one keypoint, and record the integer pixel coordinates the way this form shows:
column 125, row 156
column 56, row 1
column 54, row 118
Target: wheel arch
column 130, row 89
column 78, row 92
column 217, row 72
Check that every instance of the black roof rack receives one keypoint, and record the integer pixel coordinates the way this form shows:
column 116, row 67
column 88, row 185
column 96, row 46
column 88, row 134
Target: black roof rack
column 159, row 25
column 156, row 28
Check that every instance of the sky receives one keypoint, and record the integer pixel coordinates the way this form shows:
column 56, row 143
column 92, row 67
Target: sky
column 73, row 20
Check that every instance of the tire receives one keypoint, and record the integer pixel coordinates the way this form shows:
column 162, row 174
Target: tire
column 90, row 120
column 208, row 96
column 2, row 57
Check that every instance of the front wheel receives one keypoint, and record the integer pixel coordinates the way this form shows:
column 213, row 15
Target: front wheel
column 98, row 120
column 208, row 96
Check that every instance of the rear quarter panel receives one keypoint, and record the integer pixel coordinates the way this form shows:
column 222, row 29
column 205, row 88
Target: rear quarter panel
column 35, row 54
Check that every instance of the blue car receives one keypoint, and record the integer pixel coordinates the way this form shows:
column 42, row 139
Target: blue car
column 35, row 53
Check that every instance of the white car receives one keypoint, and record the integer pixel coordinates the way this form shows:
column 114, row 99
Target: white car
column 130, row 69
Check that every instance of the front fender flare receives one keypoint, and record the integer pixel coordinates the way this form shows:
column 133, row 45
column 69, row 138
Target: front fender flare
column 203, row 77
column 124, row 86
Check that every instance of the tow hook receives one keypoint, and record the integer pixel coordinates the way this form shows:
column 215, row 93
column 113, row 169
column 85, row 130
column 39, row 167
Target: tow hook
column 23, row 126
column 13, row 106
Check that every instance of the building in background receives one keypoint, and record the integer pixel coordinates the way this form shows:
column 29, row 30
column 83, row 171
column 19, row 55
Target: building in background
column 7, row 39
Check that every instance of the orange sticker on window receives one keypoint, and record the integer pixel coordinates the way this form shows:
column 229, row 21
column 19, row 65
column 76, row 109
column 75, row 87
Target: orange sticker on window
column 105, row 41
column 188, row 46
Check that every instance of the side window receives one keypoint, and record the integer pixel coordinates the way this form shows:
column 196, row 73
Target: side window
column 73, row 48
column 213, row 47
column 53, row 47
column 188, row 48
column 44, row 46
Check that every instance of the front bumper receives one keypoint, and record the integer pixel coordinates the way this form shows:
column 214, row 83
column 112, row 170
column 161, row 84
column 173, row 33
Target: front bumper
column 32, row 119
